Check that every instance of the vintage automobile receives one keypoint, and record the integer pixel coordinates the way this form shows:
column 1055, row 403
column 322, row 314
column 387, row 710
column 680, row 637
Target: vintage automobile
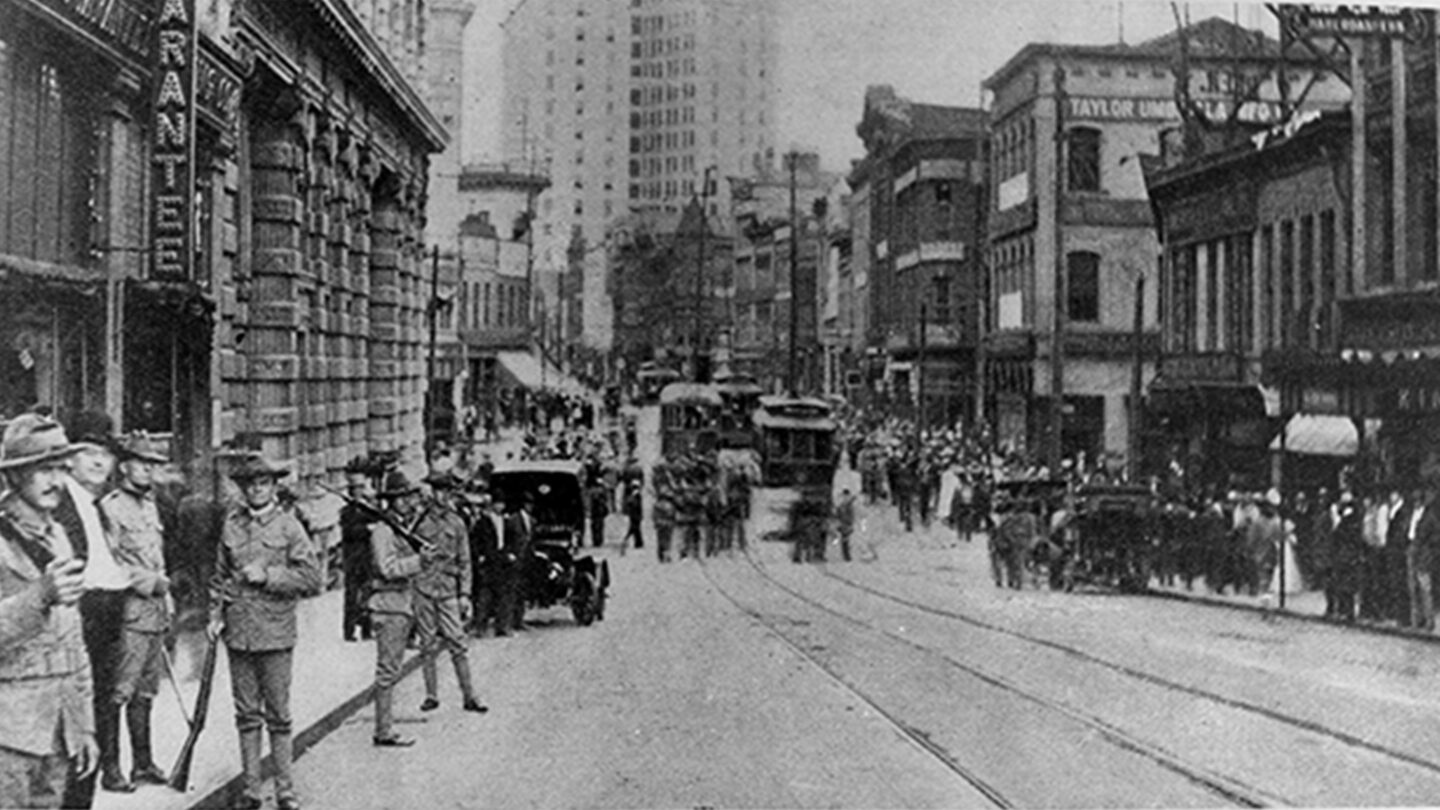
column 554, row 573
column 1113, row 541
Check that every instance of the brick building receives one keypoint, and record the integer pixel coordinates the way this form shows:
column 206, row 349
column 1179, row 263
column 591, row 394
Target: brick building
column 1070, row 229
column 918, row 209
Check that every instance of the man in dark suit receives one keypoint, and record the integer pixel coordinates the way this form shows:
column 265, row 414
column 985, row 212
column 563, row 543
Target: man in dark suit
column 492, row 566
column 519, row 529
column 102, row 607
column 1423, row 531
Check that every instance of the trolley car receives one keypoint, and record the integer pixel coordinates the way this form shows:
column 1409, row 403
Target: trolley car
column 740, row 397
column 689, row 419
column 796, row 442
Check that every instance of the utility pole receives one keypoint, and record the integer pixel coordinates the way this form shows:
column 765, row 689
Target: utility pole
column 793, row 158
column 1057, row 327
column 430, row 398
column 1136, row 378
column 920, row 374
column 700, row 273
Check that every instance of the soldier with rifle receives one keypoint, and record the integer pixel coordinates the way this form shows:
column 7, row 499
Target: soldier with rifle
column 265, row 564
column 442, row 593
column 390, row 601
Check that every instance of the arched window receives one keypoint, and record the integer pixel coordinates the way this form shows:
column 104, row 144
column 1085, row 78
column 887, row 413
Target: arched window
column 1082, row 286
column 1083, row 169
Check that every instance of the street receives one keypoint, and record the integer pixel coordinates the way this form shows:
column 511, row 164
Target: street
column 908, row 682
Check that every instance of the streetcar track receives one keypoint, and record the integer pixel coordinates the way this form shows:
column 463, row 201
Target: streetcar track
column 916, row 736
column 1311, row 726
column 1228, row 789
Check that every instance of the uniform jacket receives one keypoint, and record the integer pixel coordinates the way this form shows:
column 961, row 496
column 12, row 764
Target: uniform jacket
column 446, row 574
column 262, row 617
column 139, row 546
column 45, row 686
column 395, row 565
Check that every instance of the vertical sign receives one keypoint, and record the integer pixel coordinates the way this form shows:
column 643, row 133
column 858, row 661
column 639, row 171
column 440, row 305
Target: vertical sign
column 173, row 164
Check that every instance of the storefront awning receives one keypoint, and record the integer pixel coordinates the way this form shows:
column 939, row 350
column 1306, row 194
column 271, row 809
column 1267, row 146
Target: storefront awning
column 1316, row 435
column 527, row 370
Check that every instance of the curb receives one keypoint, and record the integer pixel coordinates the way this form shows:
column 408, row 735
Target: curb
column 1273, row 612
column 226, row 794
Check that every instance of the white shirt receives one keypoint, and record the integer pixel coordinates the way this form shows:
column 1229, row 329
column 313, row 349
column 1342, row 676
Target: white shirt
column 102, row 573
column 499, row 524
column 1415, row 521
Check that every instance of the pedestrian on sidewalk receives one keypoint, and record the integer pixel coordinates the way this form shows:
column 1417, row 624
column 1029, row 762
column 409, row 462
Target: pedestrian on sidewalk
column 355, row 521
column 845, row 521
column 390, row 602
column 493, row 569
column 139, row 547
column 102, row 605
column 47, row 731
column 442, row 593
column 264, row 565
column 1424, row 536
column 634, row 514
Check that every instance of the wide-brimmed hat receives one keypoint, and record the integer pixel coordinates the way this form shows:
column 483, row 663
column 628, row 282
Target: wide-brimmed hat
column 444, row 479
column 257, row 466
column 143, row 446
column 92, row 428
column 31, row 439
column 395, row 485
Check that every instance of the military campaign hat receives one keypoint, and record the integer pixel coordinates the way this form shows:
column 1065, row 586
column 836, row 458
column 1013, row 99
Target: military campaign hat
column 395, row 485
column 255, row 466
column 143, row 446
column 31, row 439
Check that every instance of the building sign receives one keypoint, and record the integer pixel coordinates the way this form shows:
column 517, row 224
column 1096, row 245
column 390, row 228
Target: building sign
column 217, row 92
column 1382, row 22
column 1382, row 334
column 173, row 163
column 1209, row 367
column 1131, row 108
column 127, row 23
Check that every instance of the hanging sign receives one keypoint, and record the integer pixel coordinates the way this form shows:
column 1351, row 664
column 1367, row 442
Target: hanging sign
column 173, row 163
column 1381, row 22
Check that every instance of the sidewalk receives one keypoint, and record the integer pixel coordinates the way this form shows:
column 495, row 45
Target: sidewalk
column 332, row 680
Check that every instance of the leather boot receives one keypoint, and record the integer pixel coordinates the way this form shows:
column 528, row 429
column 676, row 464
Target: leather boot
column 107, row 734
column 282, row 754
column 143, row 770
column 250, row 753
column 384, row 732
column 431, row 674
column 467, row 686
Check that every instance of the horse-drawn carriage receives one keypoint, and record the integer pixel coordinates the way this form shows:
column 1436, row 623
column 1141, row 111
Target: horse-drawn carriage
column 553, row 573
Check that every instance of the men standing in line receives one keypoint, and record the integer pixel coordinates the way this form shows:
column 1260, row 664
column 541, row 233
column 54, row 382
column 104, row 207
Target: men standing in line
column 442, row 593
column 106, row 583
column 493, row 568
column 47, row 723
column 139, row 546
column 264, row 565
column 390, row 602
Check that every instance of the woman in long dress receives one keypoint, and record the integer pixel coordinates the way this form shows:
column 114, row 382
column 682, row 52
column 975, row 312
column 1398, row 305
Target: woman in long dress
column 1294, row 583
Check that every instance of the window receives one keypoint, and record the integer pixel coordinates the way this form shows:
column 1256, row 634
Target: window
column 1083, row 287
column 1084, row 159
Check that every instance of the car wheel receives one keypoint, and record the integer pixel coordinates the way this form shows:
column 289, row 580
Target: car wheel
column 581, row 600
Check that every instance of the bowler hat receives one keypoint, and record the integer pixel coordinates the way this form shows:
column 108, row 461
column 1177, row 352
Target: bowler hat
column 143, row 446
column 92, row 428
column 395, row 485
column 31, row 439
column 257, row 466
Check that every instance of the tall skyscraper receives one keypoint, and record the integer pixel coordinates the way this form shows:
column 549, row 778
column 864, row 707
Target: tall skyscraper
column 628, row 102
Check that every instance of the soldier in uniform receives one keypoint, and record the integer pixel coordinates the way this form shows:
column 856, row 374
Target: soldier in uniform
column 265, row 564
column 139, row 548
column 390, row 601
column 442, row 591
column 47, row 722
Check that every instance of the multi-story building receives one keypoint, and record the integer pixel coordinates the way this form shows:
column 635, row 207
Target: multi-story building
column 1377, row 369
column 627, row 104
column 777, row 225
column 918, row 214
column 75, row 81
column 1070, row 228
column 1253, row 267
column 839, row 317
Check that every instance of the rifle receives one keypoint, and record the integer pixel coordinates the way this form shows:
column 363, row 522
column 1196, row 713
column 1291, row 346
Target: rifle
column 180, row 774
column 420, row 544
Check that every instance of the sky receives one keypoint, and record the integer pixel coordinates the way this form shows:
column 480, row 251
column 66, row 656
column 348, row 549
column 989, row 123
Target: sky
column 930, row 51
